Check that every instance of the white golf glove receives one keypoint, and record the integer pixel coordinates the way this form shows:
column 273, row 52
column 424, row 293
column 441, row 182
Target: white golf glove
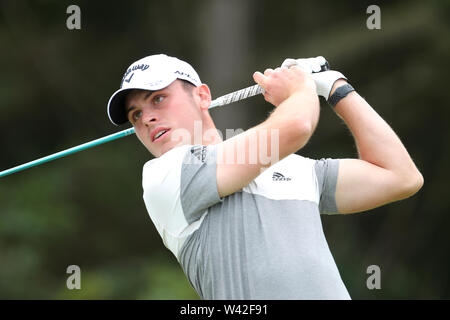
column 309, row 65
column 325, row 81
column 319, row 69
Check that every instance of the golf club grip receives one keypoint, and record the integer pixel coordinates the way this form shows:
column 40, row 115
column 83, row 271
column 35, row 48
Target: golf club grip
column 256, row 89
column 236, row 96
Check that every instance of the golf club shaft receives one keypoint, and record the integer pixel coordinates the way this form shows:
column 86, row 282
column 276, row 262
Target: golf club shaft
column 221, row 101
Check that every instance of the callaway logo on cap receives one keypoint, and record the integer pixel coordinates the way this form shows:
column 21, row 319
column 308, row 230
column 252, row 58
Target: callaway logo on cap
column 150, row 73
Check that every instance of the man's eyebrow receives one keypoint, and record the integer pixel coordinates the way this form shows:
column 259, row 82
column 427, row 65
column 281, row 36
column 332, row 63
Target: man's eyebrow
column 129, row 109
column 133, row 107
column 148, row 94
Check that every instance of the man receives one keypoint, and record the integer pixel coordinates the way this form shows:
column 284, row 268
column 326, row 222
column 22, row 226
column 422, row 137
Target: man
column 251, row 229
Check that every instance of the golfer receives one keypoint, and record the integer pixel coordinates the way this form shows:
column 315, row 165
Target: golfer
column 246, row 226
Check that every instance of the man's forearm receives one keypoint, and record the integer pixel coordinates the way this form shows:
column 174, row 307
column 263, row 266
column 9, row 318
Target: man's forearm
column 375, row 140
column 286, row 130
column 295, row 121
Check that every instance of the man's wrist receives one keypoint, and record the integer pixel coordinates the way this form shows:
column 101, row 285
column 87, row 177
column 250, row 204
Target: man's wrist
column 337, row 84
column 340, row 93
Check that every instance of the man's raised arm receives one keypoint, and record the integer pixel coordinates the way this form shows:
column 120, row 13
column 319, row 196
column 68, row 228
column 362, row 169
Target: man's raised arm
column 293, row 121
column 384, row 171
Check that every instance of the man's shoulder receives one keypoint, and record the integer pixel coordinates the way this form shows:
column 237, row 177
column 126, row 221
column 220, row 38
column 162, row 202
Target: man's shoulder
column 165, row 168
column 173, row 155
column 174, row 162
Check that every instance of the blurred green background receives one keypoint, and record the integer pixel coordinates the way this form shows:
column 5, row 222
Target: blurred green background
column 87, row 209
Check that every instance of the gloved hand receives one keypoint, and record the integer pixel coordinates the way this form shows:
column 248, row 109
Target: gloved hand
column 320, row 72
column 325, row 81
column 309, row 65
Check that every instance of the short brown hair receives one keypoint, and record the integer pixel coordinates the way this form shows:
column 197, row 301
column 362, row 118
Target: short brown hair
column 187, row 86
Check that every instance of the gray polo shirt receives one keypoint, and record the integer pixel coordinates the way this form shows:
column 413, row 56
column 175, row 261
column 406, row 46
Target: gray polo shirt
column 265, row 241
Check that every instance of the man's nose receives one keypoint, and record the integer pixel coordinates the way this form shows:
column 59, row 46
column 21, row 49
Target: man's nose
column 149, row 117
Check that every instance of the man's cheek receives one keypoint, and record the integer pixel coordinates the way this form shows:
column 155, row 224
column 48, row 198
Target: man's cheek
column 180, row 135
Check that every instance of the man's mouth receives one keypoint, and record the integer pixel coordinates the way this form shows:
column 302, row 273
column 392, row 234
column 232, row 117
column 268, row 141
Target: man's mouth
column 159, row 134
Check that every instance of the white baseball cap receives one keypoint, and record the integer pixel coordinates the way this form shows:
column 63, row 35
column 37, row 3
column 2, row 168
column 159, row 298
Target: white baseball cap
column 152, row 73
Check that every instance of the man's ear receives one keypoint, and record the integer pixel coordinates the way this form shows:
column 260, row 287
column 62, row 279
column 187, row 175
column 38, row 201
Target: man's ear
column 204, row 96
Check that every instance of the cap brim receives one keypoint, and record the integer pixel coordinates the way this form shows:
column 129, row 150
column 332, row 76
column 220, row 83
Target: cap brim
column 116, row 104
column 116, row 107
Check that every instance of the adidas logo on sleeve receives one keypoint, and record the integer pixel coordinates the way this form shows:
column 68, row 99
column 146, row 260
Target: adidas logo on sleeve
column 279, row 177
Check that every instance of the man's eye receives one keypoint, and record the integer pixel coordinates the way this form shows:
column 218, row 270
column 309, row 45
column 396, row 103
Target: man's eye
column 158, row 99
column 136, row 115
